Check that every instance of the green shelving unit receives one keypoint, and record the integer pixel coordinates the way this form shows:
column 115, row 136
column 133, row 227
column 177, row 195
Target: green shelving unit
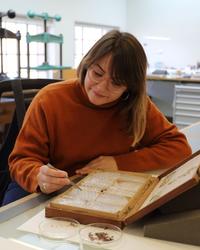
column 45, row 38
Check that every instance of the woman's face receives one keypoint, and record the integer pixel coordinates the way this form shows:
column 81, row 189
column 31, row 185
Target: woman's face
column 98, row 83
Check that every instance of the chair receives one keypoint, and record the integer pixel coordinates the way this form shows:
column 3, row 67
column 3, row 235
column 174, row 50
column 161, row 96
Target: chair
column 20, row 89
column 192, row 133
column 16, row 87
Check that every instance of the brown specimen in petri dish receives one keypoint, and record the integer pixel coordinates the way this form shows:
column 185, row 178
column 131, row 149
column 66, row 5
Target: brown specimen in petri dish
column 100, row 236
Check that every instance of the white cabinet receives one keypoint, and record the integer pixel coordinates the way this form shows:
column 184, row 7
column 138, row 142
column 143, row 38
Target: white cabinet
column 186, row 104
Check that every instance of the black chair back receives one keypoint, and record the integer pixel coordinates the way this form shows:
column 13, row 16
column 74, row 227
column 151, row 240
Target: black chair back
column 17, row 87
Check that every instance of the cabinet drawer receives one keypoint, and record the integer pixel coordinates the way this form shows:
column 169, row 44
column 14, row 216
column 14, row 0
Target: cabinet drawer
column 186, row 105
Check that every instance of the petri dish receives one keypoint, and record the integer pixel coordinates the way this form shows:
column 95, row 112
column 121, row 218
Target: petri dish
column 100, row 234
column 58, row 228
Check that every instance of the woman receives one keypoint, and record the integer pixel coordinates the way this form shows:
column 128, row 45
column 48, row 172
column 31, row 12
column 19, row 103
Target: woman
column 102, row 120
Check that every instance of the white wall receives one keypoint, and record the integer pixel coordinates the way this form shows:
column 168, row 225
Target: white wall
column 106, row 12
column 175, row 19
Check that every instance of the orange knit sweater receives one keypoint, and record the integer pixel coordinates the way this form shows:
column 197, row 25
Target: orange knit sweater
column 62, row 127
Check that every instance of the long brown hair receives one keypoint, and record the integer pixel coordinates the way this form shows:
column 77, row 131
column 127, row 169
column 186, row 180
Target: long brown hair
column 128, row 67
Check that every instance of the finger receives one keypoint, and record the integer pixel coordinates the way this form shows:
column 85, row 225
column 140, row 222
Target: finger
column 88, row 171
column 44, row 178
column 53, row 172
column 85, row 170
column 95, row 165
column 49, row 188
column 55, row 180
column 95, row 161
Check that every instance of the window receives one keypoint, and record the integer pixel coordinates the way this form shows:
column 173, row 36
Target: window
column 85, row 36
column 24, row 25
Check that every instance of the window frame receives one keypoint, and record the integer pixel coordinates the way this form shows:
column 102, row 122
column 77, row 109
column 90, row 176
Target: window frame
column 36, row 56
column 84, row 25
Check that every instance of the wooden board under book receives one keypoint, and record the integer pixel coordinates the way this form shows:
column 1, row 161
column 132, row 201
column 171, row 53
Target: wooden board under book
column 122, row 197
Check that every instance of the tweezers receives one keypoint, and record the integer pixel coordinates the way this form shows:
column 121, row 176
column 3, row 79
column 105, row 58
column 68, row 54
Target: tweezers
column 72, row 183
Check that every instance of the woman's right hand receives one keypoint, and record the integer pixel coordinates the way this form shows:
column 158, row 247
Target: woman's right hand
column 51, row 180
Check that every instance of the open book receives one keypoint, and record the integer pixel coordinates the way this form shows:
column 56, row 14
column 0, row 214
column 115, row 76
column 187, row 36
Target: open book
column 122, row 197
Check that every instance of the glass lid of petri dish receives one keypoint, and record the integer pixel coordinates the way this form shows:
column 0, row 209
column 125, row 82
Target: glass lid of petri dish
column 100, row 234
column 58, row 228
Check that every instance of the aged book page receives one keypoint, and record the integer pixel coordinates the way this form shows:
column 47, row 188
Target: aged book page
column 174, row 179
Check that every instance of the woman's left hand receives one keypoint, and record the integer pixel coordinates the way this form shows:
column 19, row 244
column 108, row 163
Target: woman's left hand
column 100, row 163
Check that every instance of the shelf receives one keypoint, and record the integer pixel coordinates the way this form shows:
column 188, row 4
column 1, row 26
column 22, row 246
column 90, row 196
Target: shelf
column 46, row 66
column 44, row 38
